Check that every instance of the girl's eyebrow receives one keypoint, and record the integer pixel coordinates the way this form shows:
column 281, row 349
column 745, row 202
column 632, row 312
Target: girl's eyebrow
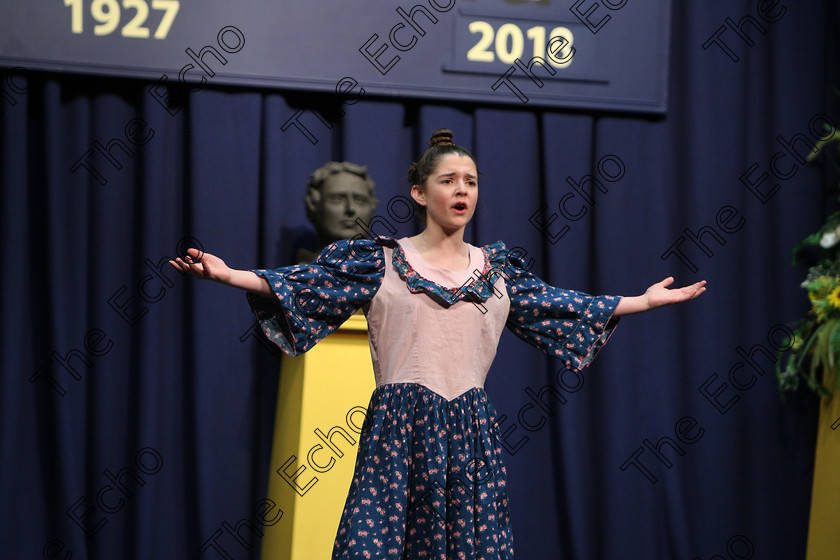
column 452, row 173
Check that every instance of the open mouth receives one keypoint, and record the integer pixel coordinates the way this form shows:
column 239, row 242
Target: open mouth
column 460, row 207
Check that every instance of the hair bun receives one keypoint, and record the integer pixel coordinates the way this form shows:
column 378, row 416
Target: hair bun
column 441, row 137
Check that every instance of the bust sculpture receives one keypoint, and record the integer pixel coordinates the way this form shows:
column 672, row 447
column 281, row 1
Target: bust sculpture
column 337, row 195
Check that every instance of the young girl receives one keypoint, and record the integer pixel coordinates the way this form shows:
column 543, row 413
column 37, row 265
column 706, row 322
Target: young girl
column 429, row 478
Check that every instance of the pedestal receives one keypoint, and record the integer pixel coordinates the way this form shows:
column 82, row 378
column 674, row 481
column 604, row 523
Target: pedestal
column 824, row 524
column 321, row 405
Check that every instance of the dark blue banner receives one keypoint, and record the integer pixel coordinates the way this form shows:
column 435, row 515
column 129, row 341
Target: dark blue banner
column 605, row 54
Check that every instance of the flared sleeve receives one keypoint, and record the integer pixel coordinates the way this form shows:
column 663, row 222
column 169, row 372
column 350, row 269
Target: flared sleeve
column 311, row 301
column 565, row 324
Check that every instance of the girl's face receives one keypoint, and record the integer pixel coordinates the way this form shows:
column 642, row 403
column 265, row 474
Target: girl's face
column 450, row 193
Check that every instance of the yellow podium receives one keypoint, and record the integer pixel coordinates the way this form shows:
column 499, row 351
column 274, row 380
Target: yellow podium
column 321, row 406
column 824, row 524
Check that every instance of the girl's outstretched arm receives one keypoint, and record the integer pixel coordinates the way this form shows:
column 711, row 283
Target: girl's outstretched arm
column 210, row 267
column 657, row 296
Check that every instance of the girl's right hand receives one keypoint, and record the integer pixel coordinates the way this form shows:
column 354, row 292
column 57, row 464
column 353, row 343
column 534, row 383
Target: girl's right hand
column 204, row 266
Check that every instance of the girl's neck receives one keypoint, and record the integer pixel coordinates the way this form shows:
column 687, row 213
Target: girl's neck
column 435, row 239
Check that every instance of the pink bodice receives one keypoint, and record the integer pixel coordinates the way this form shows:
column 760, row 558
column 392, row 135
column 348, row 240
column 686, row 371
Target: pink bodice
column 415, row 339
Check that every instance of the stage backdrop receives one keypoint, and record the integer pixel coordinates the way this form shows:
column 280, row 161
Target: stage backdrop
column 136, row 404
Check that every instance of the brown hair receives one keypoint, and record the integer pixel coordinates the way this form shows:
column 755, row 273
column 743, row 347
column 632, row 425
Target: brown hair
column 440, row 144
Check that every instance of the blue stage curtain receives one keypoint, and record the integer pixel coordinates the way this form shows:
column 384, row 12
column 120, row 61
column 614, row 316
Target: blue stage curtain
column 137, row 405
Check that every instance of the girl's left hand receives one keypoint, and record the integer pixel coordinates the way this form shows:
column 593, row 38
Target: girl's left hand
column 659, row 294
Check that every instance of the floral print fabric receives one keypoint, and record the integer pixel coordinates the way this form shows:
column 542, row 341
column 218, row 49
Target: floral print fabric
column 313, row 300
column 429, row 480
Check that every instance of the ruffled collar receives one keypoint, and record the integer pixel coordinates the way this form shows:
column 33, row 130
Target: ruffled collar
column 478, row 287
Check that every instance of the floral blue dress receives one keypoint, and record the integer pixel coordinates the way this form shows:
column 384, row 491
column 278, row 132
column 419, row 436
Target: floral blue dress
column 429, row 479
